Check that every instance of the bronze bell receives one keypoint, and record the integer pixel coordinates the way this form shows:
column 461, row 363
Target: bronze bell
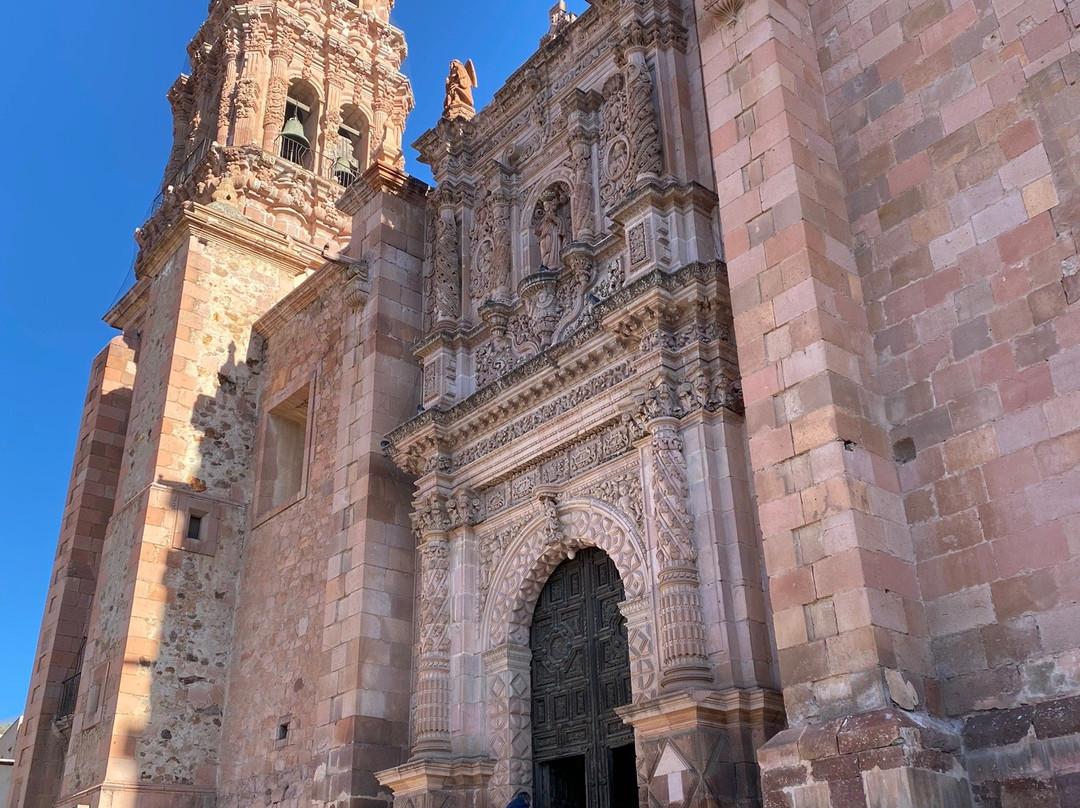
column 294, row 131
column 345, row 165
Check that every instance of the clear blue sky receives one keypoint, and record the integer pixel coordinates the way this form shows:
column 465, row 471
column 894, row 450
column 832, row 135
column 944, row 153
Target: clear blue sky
column 87, row 133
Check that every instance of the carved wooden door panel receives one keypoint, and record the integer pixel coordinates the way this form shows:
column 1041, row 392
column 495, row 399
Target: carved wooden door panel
column 580, row 674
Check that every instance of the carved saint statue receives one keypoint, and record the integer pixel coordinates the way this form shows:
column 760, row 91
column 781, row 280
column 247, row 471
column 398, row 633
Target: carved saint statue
column 551, row 231
column 459, row 86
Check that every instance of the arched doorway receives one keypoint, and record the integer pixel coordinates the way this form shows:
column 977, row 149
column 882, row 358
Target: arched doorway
column 583, row 753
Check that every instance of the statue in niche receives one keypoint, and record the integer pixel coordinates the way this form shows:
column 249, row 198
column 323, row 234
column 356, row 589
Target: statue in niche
column 551, row 228
column 459, row 86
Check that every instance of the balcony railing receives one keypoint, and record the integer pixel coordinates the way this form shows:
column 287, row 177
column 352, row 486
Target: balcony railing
column 307, row 158
column 191, row 162
column 69, row 694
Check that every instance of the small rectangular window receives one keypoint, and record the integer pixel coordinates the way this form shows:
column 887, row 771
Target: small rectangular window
column 194, row 526
column 283, row 732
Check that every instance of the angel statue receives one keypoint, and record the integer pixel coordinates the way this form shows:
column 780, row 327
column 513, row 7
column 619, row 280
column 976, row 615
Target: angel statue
column 459, row 87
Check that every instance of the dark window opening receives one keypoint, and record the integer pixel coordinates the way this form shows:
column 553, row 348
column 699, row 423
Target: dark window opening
column 194, row 526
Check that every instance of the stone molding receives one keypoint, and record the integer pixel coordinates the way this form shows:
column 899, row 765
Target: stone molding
column 428, row 776
column 718, row 709
column 628, row 314
column 194, row 220
column 529, row 561
column 351, row 274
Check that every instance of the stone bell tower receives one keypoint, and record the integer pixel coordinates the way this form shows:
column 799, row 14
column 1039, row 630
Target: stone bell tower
column 286, row 104
column 278, row 87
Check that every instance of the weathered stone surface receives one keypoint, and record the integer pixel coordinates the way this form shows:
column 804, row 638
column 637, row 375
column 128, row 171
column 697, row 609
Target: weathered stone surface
column 846, row 453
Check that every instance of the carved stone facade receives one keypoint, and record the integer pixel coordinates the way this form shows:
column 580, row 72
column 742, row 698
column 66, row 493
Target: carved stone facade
column 577, row 384
column 356, row 427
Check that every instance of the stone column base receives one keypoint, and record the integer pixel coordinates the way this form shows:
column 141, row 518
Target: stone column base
column 697, row 749
column 881, row 759
column 430, row 783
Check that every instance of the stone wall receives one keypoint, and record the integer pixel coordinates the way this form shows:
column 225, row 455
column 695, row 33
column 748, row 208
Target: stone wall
column 283, row 593
column 43, row 739
column 951, row 211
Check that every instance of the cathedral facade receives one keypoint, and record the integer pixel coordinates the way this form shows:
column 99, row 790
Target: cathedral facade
column 706, row 434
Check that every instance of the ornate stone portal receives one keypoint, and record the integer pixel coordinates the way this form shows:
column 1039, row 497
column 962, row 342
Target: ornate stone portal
column 579, row 385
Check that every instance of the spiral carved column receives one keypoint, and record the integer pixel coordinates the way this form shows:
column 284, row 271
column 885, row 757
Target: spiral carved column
column 682, row 625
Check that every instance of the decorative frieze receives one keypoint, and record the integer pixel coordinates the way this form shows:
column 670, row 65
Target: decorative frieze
column 599, row 384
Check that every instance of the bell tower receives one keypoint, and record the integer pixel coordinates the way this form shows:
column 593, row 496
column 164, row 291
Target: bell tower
column 286, row 104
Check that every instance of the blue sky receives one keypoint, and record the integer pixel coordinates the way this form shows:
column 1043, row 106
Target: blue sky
column 87, row 135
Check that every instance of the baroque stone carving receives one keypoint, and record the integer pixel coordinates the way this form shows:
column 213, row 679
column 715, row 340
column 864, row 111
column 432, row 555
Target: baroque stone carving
column 614, row 144
column 446, row 269
column 671, row 493
column 432, row 717
column 491, row 248
column 582, row 208
column 623, row 491
column 612, row 280
column 459, row 87
column 550, row 227
column 492, row 548
column 434, row 595
column 509, row 720
column 644, row 127
column 682, row 625
column 548, row 411
column 540, row 293
column 429, row 515
column 531, row 560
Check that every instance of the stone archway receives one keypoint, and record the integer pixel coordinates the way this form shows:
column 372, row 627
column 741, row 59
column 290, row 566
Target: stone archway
column 583, row 752
column 518, row 581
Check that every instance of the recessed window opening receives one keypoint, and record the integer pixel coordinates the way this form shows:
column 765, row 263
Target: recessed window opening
column 285, row 452
column 194, row 526
column 283, row 731
column 349, row 155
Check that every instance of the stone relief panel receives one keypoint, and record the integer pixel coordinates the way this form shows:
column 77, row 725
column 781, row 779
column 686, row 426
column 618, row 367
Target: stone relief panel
column 620, row 489
column 615, row 149
column 499, row 438
column 445, row 286
column 491, row 258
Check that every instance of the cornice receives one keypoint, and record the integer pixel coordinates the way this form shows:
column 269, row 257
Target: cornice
column 327, row 276
column 575, row 358
column 221, row 223
column 382, row 179
column 129, row 309
column 716, row 709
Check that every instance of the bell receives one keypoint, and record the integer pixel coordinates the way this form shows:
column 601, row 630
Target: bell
column 345, row 165
column 294, row 131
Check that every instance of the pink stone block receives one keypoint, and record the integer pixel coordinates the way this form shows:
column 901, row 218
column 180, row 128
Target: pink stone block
column 966, row 109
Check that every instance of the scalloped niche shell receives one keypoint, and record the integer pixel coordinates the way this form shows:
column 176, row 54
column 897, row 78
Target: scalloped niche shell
column 726, row 12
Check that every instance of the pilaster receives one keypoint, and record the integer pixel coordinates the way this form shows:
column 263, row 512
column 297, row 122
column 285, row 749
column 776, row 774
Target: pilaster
column 365, row 698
